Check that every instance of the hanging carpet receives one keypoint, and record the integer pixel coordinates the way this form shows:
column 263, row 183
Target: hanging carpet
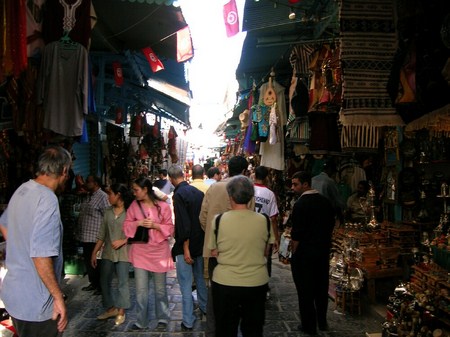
column 368, row 45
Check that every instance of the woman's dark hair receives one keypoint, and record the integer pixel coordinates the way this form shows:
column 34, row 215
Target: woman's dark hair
column 144, row 182
column 125, row 193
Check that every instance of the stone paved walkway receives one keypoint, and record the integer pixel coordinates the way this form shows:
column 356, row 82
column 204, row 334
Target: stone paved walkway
column 282, row 316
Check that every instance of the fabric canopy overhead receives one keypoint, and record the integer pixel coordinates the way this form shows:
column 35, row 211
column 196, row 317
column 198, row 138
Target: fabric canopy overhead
column 133, row 25
column 123, row 28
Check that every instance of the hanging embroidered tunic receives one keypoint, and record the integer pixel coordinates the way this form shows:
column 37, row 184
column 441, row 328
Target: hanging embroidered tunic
column 63, row 88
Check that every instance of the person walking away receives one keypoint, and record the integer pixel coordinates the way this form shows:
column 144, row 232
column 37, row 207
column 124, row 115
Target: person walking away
column 213, row 175
column 151, row 260
column 239, row 240
column 188, row 248
column 216, row 201
column 89, row 221
column 313, row 219
column 112, row 242
column 31, row 288
column 266, row 203
column 198, row 173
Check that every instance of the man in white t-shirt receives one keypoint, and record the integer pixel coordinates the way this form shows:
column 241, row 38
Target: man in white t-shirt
column 266, row 203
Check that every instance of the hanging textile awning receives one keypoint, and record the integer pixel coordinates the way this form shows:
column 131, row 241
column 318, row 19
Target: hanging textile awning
column 158, row 2
column 133, row 25
column 437, row 121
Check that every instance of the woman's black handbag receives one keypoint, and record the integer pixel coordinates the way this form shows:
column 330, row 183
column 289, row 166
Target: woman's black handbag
column 141, row 235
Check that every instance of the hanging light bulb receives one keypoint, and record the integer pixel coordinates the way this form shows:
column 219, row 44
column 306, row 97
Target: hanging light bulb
column 292, row 14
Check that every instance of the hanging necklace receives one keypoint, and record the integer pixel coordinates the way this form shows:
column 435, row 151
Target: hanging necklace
column 69, row 14
column 118, row 211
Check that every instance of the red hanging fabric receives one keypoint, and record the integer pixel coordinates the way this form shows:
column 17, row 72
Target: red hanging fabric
column 231, row 18
column 118, row 73
column 153, row 60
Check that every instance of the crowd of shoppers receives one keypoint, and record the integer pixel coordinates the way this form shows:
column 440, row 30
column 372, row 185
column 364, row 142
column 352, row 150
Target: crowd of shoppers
column 219, row 235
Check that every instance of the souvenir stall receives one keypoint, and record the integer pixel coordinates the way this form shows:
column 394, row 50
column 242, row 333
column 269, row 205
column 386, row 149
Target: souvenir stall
column 63, row 82
column 363, row 99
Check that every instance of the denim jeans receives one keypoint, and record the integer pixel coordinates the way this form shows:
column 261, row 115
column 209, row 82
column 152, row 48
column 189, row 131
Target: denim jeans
column 184, row 276
column 111, row 298
column 143, row 280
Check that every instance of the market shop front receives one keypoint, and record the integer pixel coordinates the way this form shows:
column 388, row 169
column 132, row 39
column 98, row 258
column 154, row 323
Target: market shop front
column 346, row 97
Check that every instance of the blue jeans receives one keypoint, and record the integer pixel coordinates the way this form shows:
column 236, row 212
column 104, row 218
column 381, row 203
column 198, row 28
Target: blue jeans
column 143, row 279
column 121, row 298
column 184, row 276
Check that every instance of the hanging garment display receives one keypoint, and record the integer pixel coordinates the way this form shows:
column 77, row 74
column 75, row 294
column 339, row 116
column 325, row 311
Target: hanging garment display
column 324, row 133
column 273, row 155
column 366, row 105
column 273, row 122
column 63, row 87
column 72, row 16
column 14, row 42
column 260, row 118
column 249, row 143
column 172, row 143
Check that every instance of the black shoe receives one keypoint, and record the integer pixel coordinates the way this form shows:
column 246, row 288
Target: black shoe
column 324, row 327
column 185, row 328
column 134, row 327
column 161, row 326
column 88, row 288
column 311, row 332
column 200, row 313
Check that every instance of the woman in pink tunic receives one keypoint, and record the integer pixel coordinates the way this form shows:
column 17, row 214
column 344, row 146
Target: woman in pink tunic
column 151, row 260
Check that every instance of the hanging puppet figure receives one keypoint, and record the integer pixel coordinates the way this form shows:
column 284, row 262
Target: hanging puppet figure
column 273, row 122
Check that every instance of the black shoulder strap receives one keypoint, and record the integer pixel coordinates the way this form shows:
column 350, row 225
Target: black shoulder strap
column 216, row 231
column 268, row 226
column 142, row 210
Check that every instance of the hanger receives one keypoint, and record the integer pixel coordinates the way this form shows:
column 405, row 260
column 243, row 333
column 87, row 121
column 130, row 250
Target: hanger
column 66, row 42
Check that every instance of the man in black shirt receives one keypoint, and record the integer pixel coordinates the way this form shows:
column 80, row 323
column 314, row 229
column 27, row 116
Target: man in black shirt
column 313, row 219
column 188, row 248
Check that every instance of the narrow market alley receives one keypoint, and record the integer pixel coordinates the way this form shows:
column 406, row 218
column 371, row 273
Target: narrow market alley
column 282, row 316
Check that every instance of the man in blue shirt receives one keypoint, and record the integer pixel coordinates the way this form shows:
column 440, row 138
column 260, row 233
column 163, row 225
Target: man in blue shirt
column 33, row 229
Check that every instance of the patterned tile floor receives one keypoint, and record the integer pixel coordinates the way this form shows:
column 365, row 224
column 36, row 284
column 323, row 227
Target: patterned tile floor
column 282, row 316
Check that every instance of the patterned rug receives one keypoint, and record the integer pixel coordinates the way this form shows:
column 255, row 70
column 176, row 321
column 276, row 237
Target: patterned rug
column 368, row 45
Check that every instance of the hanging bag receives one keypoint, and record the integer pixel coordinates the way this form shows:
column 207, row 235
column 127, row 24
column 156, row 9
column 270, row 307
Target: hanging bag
column 141, row 235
